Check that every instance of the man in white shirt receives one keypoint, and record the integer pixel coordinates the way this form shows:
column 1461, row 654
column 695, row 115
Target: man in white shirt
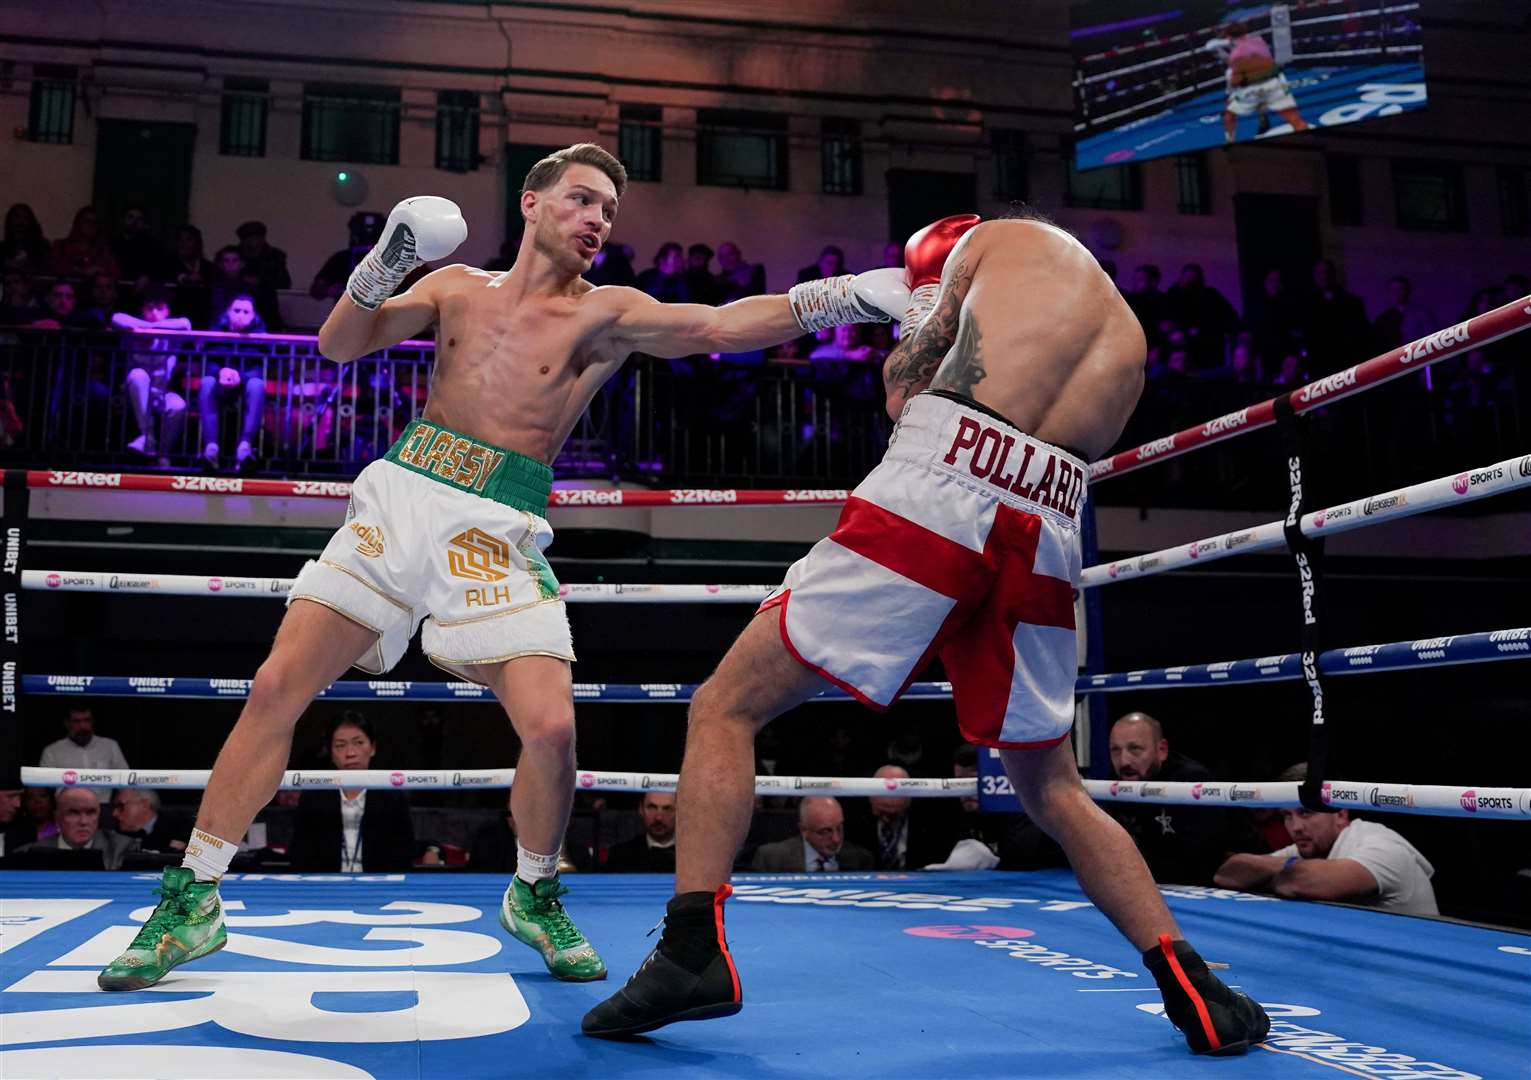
column 1332, row 857
column 81, row 748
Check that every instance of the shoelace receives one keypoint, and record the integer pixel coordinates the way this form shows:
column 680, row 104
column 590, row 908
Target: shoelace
column 560, row 928
column 171, row 909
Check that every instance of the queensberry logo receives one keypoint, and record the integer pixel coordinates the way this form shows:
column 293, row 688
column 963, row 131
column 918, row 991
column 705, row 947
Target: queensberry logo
column 459, row 780
column 1379, row 798
column 1525, row 466
column 1384, row 503
column 1241, row 794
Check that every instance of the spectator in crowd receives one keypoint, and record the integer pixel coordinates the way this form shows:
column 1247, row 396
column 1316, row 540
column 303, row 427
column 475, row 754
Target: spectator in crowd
column 493, row 850
column 738, row 278
column 101, row 300
column 1336, row 329
column 699, row 278
column 653, row 850
column 1333, row 857
column 266, row 263
column 23, row 246
column 241, row 379
column 1275, row 319
column 353, row 829
column 228, row 278
column 62, row 309
column 82, row 749
column 1245, row 366
column 1183, row 845
column 1403, row 320
column 1204, row 313
column 365, row 227
column 611, row 266
column 139, row 256
column 192, row 275
column 665, row 281
column 820, row 846
column 1148, row 302
column 1292, row 372
column 136, row 812
column 78, row 817
column 831, row 263
column 897, row 832
column 10, row 810
column 19, row 305
column 844, row 344
column 37, row 818
column 84, row 252
column 159, row 411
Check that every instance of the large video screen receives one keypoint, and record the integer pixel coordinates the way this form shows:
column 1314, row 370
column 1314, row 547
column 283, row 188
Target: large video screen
column 1153, row 78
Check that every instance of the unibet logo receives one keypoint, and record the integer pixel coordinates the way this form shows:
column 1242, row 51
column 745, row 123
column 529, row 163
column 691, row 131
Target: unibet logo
column 477, row 556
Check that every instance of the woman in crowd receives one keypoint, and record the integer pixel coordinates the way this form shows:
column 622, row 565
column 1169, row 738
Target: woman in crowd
column 351, row 829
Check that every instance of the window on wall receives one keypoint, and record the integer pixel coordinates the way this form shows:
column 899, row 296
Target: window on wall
column 1344, row 189
column 242, row 132
column 1115, row 187
column 1010, row 164
column 457, row 130
column 640, row 142
column 1194, row 188
column 50, row 116
column 344, row 122
column 1515, row 200
column 840, row 142
column 736, row 148
column 1429, row 196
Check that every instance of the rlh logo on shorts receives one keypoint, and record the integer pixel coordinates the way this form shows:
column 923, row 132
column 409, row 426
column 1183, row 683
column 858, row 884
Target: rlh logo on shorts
column 1459, row 484
column 477, row 556
column 371, row 543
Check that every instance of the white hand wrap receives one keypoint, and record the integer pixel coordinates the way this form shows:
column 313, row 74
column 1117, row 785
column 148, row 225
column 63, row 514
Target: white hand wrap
column 921, row 303
column 827, row 302
column 379, row 274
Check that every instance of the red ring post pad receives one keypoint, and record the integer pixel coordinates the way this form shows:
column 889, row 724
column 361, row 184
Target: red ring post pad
column 1472, row 334
column 562, row 498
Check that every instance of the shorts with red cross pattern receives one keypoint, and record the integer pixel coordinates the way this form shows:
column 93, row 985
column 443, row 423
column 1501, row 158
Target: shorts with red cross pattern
column 962, row 543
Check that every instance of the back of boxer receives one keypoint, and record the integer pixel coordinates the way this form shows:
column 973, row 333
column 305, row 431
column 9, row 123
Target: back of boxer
column 449, row 528
column 1022, row 363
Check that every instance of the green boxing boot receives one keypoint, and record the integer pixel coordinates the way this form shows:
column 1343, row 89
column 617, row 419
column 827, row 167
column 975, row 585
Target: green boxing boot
column 534, row 915
column 187, row 925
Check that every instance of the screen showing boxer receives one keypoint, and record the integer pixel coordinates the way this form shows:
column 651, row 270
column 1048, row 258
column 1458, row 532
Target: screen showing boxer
column 1152, row 78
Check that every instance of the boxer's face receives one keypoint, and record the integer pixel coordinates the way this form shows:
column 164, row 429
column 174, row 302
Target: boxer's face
column 573, row 217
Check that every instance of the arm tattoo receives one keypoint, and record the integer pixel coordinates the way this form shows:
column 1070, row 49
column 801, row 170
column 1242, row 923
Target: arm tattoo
column 962, row 370
column 909, row 367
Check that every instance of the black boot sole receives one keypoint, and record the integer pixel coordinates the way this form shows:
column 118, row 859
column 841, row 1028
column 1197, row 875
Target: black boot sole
column 700, row 1012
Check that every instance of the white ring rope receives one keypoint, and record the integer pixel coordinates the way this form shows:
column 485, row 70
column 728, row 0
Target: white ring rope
column 1433, row 799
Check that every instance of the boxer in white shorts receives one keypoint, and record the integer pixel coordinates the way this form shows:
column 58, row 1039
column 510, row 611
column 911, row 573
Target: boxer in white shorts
column 450, row 530
column 963, row 542
column 449, row 527
column 1255, row 83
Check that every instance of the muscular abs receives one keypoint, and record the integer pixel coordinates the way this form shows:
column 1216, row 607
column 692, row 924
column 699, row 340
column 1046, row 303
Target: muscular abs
column 517, row 376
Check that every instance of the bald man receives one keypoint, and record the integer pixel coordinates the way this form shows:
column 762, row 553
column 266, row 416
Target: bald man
column 900, row 832
column 1182, row 845
column 820, row 845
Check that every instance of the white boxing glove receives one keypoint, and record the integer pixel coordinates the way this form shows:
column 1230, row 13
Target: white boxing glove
column 872, row 296
column 420, row 229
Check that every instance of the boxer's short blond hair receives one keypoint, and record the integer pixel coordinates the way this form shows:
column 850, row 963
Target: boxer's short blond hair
column 550, row 169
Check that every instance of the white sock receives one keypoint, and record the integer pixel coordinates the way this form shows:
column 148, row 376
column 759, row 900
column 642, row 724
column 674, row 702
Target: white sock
column 532, row 868
column 207, row 856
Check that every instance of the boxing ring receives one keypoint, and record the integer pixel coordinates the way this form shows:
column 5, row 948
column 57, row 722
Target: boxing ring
column 846, row 975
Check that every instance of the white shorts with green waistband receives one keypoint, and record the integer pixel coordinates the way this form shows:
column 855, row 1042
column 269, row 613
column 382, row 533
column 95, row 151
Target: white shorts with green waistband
column 471, row 568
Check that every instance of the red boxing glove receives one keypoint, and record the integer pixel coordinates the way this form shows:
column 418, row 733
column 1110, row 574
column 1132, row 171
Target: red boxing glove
column 926, row 251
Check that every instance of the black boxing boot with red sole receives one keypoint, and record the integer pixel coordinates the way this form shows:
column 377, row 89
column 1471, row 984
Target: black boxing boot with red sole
column 689, row 975
column 1214, row 1019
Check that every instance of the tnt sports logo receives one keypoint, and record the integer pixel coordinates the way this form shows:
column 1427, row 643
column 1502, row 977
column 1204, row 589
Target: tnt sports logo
column 477, row 556
column 215, row 584
column 1326, row 792
column 1115, row 787
column 396, row 779
column 1196, row 791
column 71, row 777
column 1318, row 519
column 586, row 780
column 1110, row 570
column 1459, row 484
column 1469, row 800
column 968, row 933
column 891, row 784
column 54, row 581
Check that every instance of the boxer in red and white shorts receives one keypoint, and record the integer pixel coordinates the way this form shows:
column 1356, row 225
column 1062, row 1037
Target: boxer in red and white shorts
column 963, row 543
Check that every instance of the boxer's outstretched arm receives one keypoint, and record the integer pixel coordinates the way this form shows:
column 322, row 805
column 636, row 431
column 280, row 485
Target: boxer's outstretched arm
column 352, row 331
column 643, row 324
